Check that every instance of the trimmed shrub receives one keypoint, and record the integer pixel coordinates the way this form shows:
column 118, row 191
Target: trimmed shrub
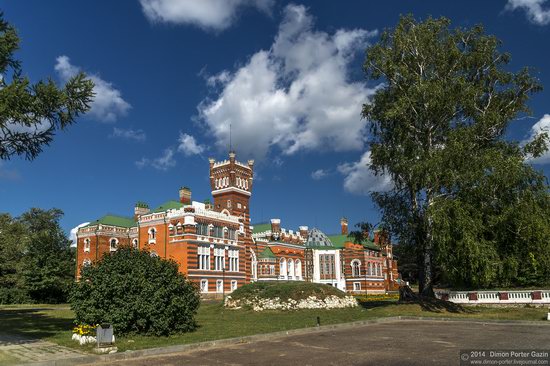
column 285, row 290
column 289, row 295
column 136, row 293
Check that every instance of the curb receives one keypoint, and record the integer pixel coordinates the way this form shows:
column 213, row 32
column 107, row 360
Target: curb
column 127, row 355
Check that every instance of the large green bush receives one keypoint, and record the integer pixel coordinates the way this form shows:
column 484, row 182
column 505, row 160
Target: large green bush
column 136, row 293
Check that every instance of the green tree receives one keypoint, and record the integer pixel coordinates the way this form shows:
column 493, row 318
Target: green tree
column 136, row 293
column 30, row 114
column 36, row 262
column 47, row 268
column 13, row 240
column 437, row 129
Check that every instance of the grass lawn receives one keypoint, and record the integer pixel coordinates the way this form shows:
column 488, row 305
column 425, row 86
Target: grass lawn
column 54, row 322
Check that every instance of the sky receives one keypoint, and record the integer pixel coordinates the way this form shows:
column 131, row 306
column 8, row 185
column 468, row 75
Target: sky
column 171, row 76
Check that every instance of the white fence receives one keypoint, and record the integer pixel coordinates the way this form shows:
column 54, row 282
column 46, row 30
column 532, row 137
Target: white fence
column 496, row 297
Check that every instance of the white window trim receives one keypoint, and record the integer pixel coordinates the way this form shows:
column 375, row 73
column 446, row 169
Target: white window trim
column 355, row 285
column 111, row 246
column 152, row 238
column 86, row 245
column 218, row 288
column 233, row 285
column 204, row 289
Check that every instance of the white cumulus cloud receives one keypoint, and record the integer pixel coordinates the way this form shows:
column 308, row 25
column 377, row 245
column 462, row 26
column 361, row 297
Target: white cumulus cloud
column 319, row 174
column 542, row 126
column 108, row 104
column 129, row 134
column 535, row 10
column 208, row 14
column 295, row 96
column 74, row 230
column 164, row 162
column 189, row 146
column 360, row 179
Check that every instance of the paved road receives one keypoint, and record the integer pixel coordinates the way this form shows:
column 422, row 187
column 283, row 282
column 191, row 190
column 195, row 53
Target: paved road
column 397, row 343
column 23, row 350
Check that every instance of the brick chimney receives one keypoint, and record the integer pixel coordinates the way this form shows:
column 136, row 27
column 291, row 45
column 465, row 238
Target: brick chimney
column 275, row 225
column 141, row 208
column 344, row 225
column 185, row 195
column 303, row 231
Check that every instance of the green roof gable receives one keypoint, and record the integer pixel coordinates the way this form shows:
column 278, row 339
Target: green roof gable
column 169, row 205
column 261, row 227
column 267, row 254
column 114, row 220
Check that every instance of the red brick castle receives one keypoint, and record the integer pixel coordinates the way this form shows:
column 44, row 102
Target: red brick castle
column 216, row 247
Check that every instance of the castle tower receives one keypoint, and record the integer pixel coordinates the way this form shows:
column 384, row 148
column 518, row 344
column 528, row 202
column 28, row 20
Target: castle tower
column 231, row 183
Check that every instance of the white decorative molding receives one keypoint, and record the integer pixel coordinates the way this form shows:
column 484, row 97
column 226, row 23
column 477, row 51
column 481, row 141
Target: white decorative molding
column 230, row 189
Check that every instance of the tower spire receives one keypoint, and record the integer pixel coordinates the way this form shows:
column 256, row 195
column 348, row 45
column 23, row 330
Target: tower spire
column 230, row 142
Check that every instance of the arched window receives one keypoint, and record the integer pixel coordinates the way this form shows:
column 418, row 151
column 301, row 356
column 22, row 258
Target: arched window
column 86, row 262
column 291, row 268
column 113, row 244
column 355, row 268
column 154, row 254
column 370, row 269
column 86, row 245
column 152, row 235
column 254, row 264
column 282, row 267
column 298, row 265
column 135, row 243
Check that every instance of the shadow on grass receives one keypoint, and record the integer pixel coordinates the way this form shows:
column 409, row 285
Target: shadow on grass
column 33, row 323
column 437, row 305
column 426, row 304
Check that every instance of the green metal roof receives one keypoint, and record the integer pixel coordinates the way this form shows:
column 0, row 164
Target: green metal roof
column 267, row 254
column 339, row 240
column 114, row 220
column 169, row 205
column 261, row 227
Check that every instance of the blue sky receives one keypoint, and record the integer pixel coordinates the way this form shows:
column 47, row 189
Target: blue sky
column 170, row 76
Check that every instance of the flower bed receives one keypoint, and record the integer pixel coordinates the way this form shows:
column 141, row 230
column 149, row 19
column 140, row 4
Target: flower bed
column 379, row 297
column 83, row 334
column 312, row 302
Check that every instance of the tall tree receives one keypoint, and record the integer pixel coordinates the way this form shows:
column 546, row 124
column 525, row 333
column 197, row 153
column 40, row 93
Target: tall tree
column 13, row 241
column 30, row 114
column 48, row 267
column 437, row 125
column 36, row 262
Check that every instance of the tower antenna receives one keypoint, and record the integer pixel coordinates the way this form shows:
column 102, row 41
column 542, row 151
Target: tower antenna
column 230, row 143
